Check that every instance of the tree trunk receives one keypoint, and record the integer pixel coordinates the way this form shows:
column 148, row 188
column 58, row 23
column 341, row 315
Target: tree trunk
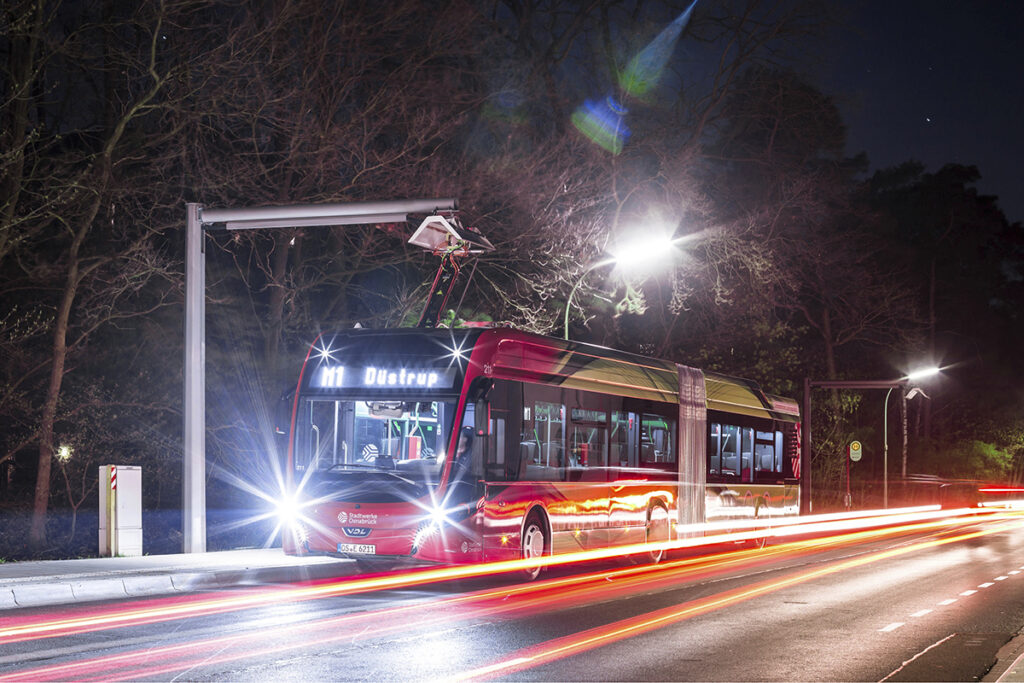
column 275, row 306
column 37, row 532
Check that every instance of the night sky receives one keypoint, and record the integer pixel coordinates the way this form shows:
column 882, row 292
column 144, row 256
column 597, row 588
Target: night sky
column 938, row 82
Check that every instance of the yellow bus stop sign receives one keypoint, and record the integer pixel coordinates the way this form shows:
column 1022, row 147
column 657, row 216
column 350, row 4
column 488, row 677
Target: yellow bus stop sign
column 855, row 451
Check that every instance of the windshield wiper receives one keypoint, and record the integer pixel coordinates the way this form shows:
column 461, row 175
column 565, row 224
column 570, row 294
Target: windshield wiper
column 375, row 468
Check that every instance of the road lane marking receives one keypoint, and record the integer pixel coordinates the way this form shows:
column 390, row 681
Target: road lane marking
column 921, row 613
column 986, row 584
column 1002, row 578
column 904, row 664
column 891, row 627
column 1014, row 571
column 970, row 592
column 950, row 601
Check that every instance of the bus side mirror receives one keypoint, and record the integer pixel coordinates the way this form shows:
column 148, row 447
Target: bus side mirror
column 283, row 420
column 480, row 428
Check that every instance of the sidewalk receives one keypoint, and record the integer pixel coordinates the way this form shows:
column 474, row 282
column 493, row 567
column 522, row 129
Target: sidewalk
column 61, row 582
column 1009, row 666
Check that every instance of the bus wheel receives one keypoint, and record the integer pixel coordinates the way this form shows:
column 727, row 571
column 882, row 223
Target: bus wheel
column 534, row 544
column 657, row 531
column 762, row 512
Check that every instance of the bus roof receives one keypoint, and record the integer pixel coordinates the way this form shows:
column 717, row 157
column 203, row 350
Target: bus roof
column 508, row 352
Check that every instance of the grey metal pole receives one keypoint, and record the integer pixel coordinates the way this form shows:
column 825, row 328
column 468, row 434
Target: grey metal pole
column 885, row 449
column 193, row 477
column 348, row 213
column 806, row 506
column 903, row 415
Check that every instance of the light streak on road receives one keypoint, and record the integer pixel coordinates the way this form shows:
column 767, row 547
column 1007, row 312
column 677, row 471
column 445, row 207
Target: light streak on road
column 152, row 611
column 577, row 643
column 271, row 636
column 533, row 597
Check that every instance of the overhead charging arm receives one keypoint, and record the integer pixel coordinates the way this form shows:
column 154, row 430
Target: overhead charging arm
column 444, row 236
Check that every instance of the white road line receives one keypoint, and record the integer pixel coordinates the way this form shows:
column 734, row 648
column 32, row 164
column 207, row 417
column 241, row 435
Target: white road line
column 970, row 592
column 950, row 601
column 921, row 613
column 986, row 584
column 1002, row 578
column 891, row 627
column 904, row 664
column 1014, row 571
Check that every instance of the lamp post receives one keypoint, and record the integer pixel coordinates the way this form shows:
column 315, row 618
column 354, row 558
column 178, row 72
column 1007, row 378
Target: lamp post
column 902, row 382
column 628, row 255
column 885, row 445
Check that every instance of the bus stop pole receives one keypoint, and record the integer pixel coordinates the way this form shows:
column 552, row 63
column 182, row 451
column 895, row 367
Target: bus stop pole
column 193, row 480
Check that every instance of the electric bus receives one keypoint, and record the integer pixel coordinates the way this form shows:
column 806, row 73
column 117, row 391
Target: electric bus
column 473, row 445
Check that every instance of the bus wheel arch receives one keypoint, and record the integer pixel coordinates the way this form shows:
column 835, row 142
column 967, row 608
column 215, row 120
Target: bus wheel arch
column 762, row 511
column 658, row 529
column 535, row 539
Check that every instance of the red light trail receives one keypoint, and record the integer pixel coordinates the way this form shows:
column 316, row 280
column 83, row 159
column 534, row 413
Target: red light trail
column 528, row 599
column 627, row 628
column 26, row 628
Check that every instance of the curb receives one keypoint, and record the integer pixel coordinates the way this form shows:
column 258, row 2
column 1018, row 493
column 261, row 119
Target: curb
column 66, row 591
column 1009, row 664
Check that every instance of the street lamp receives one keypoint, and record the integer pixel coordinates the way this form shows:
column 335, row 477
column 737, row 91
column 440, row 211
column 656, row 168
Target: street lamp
column 902, row 383
column 626, row 256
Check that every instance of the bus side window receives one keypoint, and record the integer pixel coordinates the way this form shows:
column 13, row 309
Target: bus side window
column 619, row 451
column 588, row 439
column 715, row 450
column 747, row 454
column 730, row 450
column 657, row 441
column 543, row 436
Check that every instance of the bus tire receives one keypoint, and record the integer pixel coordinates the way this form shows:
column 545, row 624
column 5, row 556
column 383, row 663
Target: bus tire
column 761, row 511
column 534, row 542
column 657, row 531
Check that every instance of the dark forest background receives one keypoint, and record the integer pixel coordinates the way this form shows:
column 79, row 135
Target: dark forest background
column 799, row 261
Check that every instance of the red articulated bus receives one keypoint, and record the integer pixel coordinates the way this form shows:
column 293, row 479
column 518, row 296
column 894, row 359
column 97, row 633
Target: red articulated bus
column 460, row 446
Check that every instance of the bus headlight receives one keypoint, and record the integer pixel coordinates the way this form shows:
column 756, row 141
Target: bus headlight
column 439, row 517
column 291, row 514
column 287, row 509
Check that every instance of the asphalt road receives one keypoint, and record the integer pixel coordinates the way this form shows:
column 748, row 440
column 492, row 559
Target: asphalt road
column 922, row 605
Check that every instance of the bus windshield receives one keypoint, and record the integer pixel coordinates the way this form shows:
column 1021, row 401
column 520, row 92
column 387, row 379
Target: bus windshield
column 409, row 437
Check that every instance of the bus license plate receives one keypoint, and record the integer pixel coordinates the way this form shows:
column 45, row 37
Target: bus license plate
column 357, row 548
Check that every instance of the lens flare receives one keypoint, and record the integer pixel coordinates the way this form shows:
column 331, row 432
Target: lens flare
column 645, row 69
column 604, row 123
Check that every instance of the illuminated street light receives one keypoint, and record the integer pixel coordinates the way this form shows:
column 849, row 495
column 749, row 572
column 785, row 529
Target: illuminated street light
column 625, row 256
column 923, row 373
column 64, row 453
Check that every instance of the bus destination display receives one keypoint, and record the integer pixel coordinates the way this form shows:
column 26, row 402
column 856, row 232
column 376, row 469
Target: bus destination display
column 378, row 377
